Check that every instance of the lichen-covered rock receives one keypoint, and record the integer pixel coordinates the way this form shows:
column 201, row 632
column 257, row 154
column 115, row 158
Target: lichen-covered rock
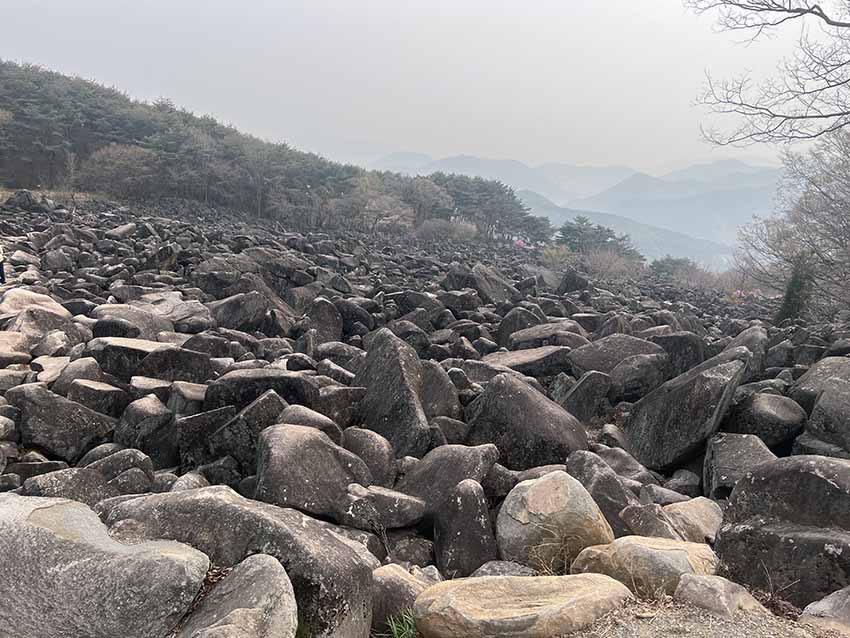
column 71, row 579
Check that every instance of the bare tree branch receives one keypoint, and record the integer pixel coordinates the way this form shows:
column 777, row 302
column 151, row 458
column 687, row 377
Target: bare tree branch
column 809, row 97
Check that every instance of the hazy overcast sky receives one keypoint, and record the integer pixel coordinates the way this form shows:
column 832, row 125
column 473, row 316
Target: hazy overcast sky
column 578, row 81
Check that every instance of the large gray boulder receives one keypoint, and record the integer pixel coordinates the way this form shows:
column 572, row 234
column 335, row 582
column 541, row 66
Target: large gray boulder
column 670, row 425
column 819, row 378
column 435, row 476
column 771, row 417
column 55, row 425
column 605, row 354
column 299, row 466
column 528, row 428
column 67, row 578
column 392, row 376
column 787, row 527
column 331, row 579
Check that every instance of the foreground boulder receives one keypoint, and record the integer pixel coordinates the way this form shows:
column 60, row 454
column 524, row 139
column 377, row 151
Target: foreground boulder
column 544, row 523
column 516, row 606
column 651, row 567
column 72, row 579
column 332, row 583
column 716, row 595
column 787, row 528
column 255, row 600
column 529, row 429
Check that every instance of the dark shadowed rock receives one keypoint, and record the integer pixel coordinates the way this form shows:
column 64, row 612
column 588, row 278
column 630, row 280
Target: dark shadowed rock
column 787, row 526
column 463, row 531
column 670, row 425
column 728, row 458
column 60, row 427
column 527, row 428
column 392, row 376
column 435, row 476
column 241, row 387
column 773, row 418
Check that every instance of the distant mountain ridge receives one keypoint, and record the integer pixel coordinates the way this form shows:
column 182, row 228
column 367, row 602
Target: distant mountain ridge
column 653, row 242
column 709, row 200
column 702, row 201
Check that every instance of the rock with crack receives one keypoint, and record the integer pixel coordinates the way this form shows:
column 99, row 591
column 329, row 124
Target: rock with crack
column 331, row 579
column 787, row 528
column 255, row 600
column 72, row 579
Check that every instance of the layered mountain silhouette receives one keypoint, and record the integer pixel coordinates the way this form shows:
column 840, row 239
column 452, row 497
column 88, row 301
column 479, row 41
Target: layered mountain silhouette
column 653, row 242
column 708, row 201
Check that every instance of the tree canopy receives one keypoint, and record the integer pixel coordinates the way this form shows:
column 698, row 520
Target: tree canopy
column 584, row 237
column 63, row 132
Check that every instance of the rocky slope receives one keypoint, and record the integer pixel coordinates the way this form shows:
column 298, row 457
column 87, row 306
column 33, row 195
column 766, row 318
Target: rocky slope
column 216, row 428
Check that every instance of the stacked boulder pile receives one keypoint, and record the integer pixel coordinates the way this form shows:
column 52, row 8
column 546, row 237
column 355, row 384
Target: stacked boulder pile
column 216, row 428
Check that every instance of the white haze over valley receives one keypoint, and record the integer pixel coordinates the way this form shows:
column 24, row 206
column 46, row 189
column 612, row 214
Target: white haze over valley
column 579, row 105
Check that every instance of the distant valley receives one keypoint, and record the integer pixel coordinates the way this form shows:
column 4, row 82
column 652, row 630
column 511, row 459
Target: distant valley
column 692, row 212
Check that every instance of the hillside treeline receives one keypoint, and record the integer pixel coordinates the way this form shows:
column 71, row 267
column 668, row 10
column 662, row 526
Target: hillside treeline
column 60, row 132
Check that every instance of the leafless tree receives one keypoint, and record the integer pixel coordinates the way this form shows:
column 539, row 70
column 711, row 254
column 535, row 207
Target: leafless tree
column 809, row 97
column 815, row 224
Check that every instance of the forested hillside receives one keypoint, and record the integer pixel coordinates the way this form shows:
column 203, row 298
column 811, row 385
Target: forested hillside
column 63, row 132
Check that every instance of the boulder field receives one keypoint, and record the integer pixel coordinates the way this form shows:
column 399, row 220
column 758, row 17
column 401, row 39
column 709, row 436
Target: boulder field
column 213, row 426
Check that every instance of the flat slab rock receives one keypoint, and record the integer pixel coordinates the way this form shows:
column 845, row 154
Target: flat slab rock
column 516, row 606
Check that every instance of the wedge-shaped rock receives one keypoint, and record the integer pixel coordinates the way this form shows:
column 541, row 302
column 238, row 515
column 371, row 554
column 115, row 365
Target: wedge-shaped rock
column 516, row 606
column 392, row 376
column 670, row 425
column 528, row 428
column 545, row 361
column 332, row 582
column 69, row 578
